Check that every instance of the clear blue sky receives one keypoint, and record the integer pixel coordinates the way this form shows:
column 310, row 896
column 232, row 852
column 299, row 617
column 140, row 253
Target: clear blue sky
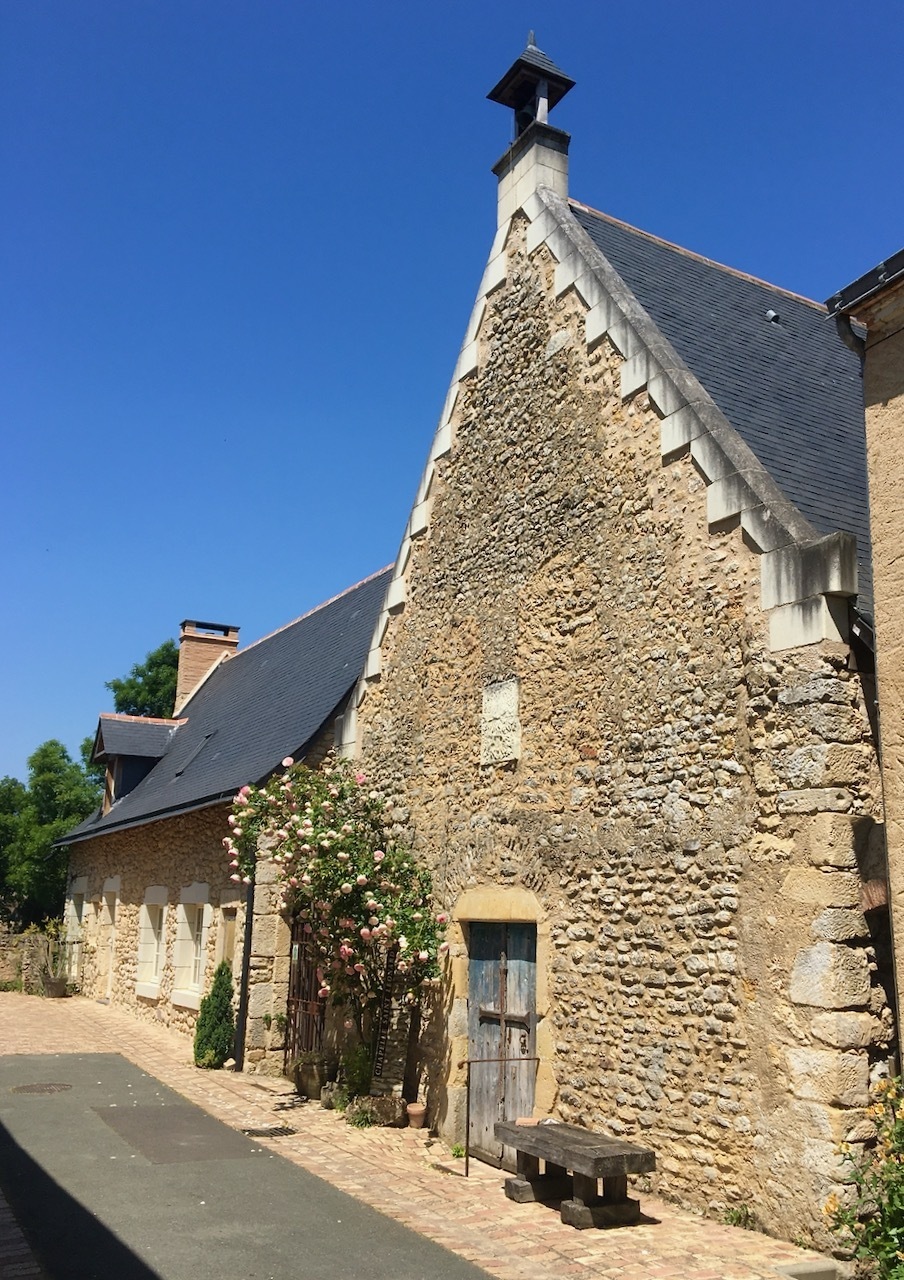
column 239, row 243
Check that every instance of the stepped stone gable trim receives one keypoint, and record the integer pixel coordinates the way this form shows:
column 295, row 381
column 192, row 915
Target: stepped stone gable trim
column 805, row 579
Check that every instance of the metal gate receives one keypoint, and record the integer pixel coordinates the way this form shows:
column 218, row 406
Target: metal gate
column 304, row 1008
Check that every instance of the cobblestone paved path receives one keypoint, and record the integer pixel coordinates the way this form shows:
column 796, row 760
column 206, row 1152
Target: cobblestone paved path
column 404, row 1174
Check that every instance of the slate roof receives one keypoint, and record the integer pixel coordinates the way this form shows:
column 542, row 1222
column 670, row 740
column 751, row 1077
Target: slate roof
column 121, row 735
column 790, row 388
column 266, row 702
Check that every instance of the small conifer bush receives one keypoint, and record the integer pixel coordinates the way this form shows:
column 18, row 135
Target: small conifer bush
column 215, row 1030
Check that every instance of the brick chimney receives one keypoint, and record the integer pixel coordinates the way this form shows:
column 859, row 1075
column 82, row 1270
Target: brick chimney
column 201, row 646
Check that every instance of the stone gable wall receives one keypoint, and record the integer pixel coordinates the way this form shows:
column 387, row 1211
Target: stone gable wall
column 695, row 815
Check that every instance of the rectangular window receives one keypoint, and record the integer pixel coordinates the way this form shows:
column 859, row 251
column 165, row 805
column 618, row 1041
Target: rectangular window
column 151, row 943
column 196, row 923
column 190, row 952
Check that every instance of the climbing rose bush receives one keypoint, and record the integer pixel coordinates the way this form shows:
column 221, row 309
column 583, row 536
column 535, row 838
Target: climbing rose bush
column 358, row 893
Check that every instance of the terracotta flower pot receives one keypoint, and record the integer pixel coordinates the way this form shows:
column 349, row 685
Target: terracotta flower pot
column 417, row 1114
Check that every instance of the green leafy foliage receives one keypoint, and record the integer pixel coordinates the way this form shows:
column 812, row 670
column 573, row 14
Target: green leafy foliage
column 57, row 796
column 357, row 1068
column 359, row 894
column 870, row 1220
column 150, row 687
column 215, row 1030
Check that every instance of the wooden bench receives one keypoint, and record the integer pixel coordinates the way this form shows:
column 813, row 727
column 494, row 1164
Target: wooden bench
column 587, row 1156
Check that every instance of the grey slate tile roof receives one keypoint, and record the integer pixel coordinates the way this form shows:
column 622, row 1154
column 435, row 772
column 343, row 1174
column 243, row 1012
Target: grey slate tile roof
column 264, row 703
column 790, row 388
column 119, row 735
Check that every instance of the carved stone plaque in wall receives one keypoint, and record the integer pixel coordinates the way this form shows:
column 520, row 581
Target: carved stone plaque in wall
column 500, row 727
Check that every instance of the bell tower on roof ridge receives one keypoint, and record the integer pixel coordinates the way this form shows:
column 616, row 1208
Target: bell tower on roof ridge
column 538, row 156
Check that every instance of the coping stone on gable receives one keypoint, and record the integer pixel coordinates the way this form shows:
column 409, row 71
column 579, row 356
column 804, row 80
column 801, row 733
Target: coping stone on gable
column 420, row 519
column 825, row 567
column 396, row 595
column 764, row 529
column 728, row 496
column 739, row 485
column 664, row 394
column 804, row 622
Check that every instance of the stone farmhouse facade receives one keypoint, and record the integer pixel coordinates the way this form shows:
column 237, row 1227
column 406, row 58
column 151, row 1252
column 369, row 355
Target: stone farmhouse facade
column 620, row 685
column 151, row 905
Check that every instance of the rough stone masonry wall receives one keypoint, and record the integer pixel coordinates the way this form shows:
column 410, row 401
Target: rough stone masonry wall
column 174, row 853
column 687, row 808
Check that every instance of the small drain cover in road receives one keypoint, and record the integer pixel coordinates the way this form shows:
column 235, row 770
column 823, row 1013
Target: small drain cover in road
column 40, row 1088
column 270, row 1131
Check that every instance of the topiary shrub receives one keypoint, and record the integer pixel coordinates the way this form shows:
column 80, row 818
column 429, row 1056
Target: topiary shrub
column 215, row 1030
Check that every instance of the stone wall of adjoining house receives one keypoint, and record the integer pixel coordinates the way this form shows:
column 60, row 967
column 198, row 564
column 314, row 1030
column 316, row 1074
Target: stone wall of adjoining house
column 174, row 853
column 18, row 955
column 268, row 976
column 687, row 808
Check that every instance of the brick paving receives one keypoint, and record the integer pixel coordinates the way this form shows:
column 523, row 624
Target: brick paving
column 402, row 1173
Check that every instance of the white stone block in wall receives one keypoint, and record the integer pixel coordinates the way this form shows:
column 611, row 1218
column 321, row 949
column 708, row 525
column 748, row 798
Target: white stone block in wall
column 558, row 244
column 420, row 519
column 846, row 1030
column 664, row 394
column 808, row 622
column 589, row 289
column 678, row 430
column 477, row 313
column 540, row 228
column 373, row 666
column 710, row 458
column 396, row 595
column 534, row 207
column 495, row 274
column 824, row 1075
column 442, row 442
column 468, row 360
column 500, row 726
column 596, row 322
column 727, row 497
column 822, row 888
column 634, row 373
column 830, row 976
column 624, row 338
column 763, row 529
column 826, row 567
column 567, row 272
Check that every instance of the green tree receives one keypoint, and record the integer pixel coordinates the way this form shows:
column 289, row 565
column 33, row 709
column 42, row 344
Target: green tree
column 215, row 1031
column 150, row 687
column 58, row 795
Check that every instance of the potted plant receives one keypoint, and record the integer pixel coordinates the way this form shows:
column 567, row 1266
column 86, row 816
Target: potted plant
column 310, row 1068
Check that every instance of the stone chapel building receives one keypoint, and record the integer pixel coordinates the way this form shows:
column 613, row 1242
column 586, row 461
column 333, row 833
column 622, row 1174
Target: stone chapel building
column 619, row 683
column 621, row 687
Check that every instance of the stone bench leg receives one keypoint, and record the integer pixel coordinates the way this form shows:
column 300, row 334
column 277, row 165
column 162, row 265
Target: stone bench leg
column 587, row 1209
column 530, row 1185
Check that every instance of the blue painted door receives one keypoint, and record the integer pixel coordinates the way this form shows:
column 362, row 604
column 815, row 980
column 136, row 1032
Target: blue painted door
column 502, row 1020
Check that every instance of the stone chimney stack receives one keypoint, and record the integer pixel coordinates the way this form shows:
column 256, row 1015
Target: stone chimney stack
column 539, row 155
column 201, row 646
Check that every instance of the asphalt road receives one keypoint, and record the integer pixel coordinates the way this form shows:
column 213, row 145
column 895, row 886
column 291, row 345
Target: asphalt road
column 113, row 1176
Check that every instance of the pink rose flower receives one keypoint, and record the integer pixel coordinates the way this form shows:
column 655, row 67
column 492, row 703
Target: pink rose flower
column 288, row 762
